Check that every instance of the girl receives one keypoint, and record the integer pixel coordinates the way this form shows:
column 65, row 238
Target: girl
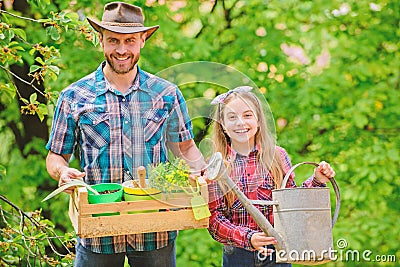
column 257, row 166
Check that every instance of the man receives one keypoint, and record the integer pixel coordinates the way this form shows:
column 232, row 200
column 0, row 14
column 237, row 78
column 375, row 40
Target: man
column 119, row 118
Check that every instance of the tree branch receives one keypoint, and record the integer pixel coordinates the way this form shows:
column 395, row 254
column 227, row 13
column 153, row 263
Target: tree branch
column 22, row 80
column 20, row 17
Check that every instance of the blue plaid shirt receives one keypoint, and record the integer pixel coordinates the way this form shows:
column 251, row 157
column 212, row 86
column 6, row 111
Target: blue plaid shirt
column 89, row 115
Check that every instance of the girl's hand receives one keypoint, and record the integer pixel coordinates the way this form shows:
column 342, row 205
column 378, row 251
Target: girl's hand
column 324, row 172
column 260, row 240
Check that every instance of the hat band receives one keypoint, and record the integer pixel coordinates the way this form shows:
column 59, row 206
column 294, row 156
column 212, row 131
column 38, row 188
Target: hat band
column 122, row 24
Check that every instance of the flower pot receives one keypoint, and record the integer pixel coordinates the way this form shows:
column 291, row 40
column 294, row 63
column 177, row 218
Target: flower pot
column 134, row 194
column 114, row 196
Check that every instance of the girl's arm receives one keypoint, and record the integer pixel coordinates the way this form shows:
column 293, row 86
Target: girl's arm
column 220, row 228
column 321, row 176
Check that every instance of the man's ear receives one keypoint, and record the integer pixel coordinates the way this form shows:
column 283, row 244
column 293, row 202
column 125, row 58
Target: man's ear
column 144, row 36
column 100, row 39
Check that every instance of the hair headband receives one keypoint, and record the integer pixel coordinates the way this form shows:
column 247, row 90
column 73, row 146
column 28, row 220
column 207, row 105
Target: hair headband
column 220, row 99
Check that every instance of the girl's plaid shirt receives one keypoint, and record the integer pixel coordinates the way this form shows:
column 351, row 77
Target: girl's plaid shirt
column 234, row 226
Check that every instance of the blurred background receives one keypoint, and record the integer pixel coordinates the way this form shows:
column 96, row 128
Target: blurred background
column 329, row 71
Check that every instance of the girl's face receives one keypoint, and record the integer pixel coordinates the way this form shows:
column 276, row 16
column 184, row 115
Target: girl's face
column 240, row 123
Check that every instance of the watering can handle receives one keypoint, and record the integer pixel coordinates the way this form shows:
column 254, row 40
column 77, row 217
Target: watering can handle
column 332, row 180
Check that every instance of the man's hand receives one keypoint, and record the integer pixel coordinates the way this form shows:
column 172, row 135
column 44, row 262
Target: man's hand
column 66, row 175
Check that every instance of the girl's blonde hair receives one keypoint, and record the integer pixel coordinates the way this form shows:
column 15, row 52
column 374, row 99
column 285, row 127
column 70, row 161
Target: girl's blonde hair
column 268, row 156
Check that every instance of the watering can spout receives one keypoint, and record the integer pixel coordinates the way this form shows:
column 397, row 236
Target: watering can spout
column 217, row 171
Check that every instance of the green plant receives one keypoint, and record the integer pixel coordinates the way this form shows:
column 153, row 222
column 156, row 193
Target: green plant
column 28, row 239
column 169, row 176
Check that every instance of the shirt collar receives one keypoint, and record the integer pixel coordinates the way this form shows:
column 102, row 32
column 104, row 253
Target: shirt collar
column 232, row 154
column 102, row 86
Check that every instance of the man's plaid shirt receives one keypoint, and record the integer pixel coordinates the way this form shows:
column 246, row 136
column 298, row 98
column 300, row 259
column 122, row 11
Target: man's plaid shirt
column 89, row 116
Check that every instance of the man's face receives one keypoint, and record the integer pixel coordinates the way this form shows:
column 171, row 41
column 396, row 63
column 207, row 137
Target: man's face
column 122, row 51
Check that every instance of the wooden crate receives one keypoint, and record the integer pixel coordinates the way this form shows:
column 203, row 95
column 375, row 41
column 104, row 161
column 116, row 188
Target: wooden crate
column 176, row 214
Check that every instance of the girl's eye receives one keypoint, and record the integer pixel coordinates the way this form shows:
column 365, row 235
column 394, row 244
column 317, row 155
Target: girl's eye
column 248, row 115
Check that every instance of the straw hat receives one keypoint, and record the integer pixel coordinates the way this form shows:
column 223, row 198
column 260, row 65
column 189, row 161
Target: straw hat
column 121, row 17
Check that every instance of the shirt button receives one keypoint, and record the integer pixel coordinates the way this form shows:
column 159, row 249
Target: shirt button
column 126, row 122
column 123, row 99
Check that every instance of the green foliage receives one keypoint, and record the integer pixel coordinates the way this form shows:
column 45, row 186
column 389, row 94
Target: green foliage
column 169, row 176
column 25, row 237
column 329, row 70
column 196, row 248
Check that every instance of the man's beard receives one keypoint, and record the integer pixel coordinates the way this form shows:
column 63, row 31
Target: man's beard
column 120, row 69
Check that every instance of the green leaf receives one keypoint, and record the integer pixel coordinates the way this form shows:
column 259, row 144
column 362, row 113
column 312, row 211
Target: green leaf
column 53, row 33
column 360, row 120
column 33, row 98
column 10, row 34
column 41, row 111
column 95, row 40
column 73, row 16
column 40, row 115
column 9, row 89
column 20, row 32
column 34, row 68
column 52, row 75
column 40, row 60
column 54, row 69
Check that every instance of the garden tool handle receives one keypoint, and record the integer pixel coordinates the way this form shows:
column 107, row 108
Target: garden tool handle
column 217, row 171
column 141, row 171
column 332, row 180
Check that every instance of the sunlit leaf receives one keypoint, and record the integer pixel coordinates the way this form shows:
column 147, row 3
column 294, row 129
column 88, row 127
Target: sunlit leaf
column 32, row 98
column 40, row 60
column 53, row 33
column 34, row 68
column 20, row 32
column 54, row 69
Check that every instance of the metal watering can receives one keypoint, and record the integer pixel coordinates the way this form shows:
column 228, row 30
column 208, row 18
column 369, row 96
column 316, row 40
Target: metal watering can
column 302, row 217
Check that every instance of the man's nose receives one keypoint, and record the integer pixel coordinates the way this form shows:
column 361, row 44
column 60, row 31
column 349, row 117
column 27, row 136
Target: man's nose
column 121, row 48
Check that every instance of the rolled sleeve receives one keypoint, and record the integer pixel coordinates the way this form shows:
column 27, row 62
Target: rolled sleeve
column 62, row 136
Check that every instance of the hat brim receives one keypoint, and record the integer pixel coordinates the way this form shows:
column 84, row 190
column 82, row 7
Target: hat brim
column 122, row 29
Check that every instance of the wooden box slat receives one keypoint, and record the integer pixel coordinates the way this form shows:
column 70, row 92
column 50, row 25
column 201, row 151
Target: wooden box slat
column 172, row 212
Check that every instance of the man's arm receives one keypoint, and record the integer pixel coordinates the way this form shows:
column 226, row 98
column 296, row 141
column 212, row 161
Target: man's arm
column 58, row 168
column 188, row 151
column 55, row 163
